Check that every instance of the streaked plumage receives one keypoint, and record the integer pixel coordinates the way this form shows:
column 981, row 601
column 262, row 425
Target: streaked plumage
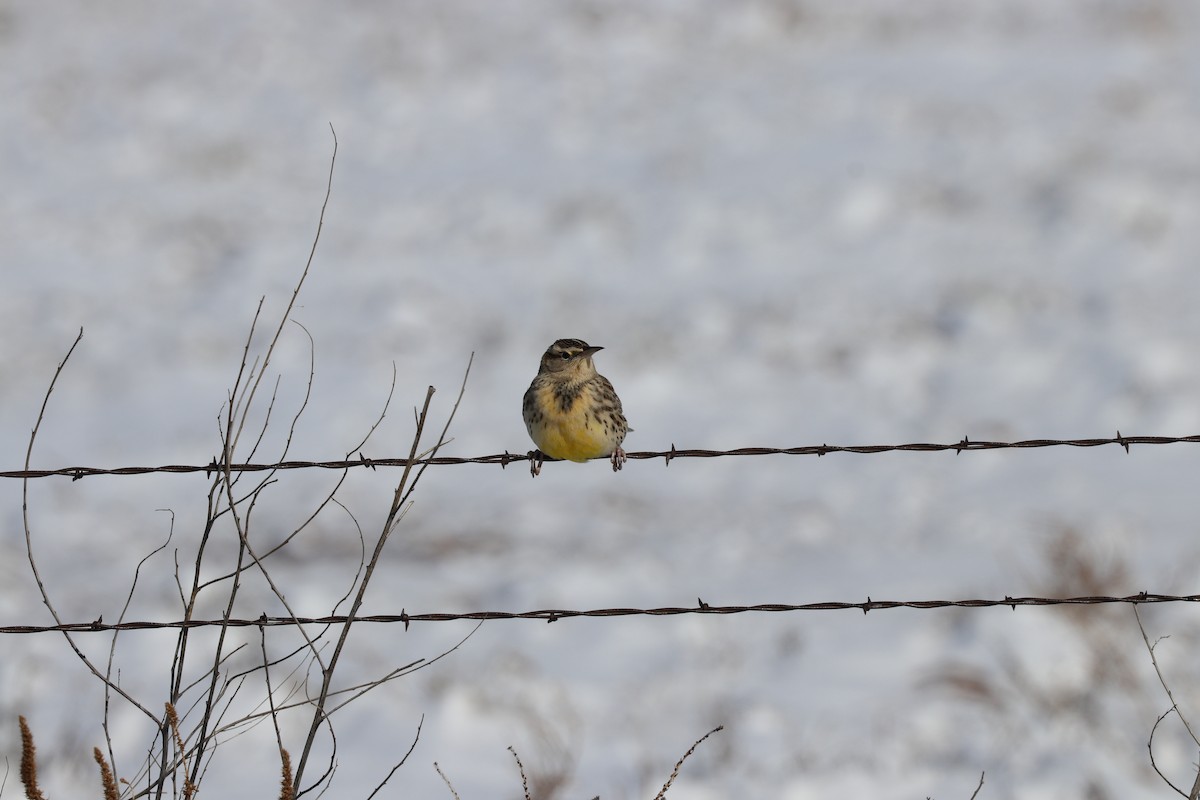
column 572, row 411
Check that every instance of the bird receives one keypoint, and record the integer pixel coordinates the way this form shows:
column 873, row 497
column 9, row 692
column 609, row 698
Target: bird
column 572, row 411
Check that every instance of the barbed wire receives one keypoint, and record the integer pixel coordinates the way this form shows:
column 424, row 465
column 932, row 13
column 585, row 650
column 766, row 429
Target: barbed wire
column 556, row 614
column 506, row 458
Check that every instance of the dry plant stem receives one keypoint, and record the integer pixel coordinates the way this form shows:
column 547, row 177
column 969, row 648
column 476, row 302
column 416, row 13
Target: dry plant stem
column 37, row 576
column 107, row 780
column 248, row 399
column 244, row 405
column 273, row 706
column 378, row 420
column 237, row 395
column 202, row 737
column 241, row 399
column 244, row 549
column 262, row 641
column 361, row 689
column 189, row 605
column 181, row 647
column 112, row 649
column 1150, row 748
column 521, row 769
column 327, row 672
column 401, row 762
column 29, row 762
column 286, row 792
column 252, row 497
column 975, row 793
column 1195, row 792
column 1154, row 661
column 331, row 497
column 679, row 764
column 189, row 786
column 449, row 785
column 404, row 491
column 245, row 413
column 295, row 292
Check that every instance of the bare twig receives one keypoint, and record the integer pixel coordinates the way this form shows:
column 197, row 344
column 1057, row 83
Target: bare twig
column 266, row 668
column 521, row 768
column 403, row 491
column 400, row 763
column 449, row 785
column 327, row 671
column 1150, row 747
column 234, row 424
column 679, row 764
column 1150, row 648
column 399, row 672
column 1166, row 687
column 112, row 648
column 975, row 793
column 37, row 576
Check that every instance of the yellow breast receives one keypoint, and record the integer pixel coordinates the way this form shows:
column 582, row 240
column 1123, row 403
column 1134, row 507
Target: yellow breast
column 574, row 434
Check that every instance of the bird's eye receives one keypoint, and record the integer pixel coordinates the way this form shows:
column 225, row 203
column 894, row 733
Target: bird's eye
column 566, row 356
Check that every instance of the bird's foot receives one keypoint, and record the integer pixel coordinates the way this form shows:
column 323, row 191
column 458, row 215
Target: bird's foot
column 618, row 459
column 535, row 462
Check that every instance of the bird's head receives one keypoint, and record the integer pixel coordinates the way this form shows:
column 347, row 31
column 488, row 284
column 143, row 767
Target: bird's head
column 569, row 358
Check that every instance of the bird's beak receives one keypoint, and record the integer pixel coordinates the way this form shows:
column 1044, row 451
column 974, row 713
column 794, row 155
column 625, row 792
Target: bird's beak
column 588, row 353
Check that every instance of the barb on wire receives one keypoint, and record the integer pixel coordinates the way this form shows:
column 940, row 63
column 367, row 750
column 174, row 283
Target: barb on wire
column 506, row 458
column 556, row 614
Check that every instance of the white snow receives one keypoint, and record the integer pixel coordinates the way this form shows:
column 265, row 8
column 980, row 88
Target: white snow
column 788, row 223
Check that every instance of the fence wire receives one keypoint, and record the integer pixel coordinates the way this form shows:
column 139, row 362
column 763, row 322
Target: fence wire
column 506, row 458
column 556, row 614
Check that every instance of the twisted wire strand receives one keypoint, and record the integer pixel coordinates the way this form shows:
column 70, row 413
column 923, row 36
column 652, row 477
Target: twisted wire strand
column 556, row 614
column 506, row 458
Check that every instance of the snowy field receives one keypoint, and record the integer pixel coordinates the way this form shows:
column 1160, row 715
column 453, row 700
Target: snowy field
column 788, row 223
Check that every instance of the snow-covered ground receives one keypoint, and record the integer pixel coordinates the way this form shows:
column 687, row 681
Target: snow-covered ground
column 789, row 223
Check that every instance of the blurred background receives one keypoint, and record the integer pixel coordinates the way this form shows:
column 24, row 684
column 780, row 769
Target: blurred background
column 789, row 222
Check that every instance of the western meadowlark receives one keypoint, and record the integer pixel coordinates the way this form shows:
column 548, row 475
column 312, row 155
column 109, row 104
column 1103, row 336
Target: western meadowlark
column 572, row 411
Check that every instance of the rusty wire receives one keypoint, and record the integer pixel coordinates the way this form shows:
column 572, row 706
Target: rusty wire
column 556, row 614
column 506, row 458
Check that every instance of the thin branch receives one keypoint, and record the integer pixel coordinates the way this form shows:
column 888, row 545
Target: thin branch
column 327, row 672
column 234, row 424
column 521, row 769
column 266, row 668
column 37, row 575
column 1150, row 747
column 449, row 785
column 404, row 490
column 975, row 793
column 679, row 764
column 400, row 763
column 1154, row 661
column 112, row 648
